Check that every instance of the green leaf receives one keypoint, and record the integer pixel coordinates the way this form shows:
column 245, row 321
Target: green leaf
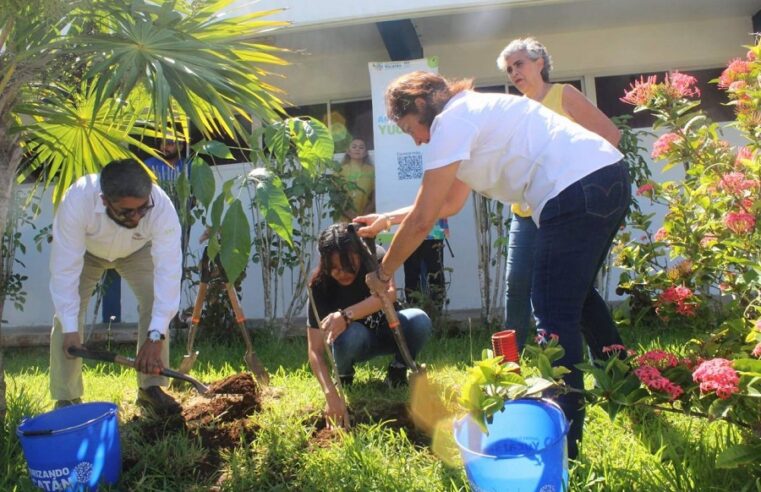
column 202, row 181
column 216, row 211
column 272, row 203
column 747, row 365
column 236, row 244
column 213, row 148
column 720, row 408
column 544, row 366
column 738, row 455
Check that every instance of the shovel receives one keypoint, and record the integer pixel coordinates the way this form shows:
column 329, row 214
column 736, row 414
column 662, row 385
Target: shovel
column 426, row 406
column 104, row 356
column 190, row 356
column 252, row 361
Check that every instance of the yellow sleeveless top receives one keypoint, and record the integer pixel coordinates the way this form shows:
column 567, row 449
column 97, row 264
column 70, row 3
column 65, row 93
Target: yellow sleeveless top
column 554, row 101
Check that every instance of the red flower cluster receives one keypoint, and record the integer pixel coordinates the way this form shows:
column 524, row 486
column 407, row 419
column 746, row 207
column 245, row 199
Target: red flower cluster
column 646, row 189
column 661, row 235
column 640, row 91
column 734, row 71
column 663, row 145
column 757, row 350
column 654, row 380
column 681, row 85
column 616, row 347
column 719, row 376
column 736, row 183
column 679, row 296
column 740, row 222
column 659, row 359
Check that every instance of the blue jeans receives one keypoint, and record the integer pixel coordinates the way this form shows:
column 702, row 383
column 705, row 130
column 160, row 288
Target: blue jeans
column 520, row 267
column 576, row 229
column 358, row 343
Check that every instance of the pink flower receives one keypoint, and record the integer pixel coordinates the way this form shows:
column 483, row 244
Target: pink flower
column 654, row 380
column 737, row 85
column 646, row 189
column 708, row 240
column 679, row 296
column 640, row 91
column 730, row 74
column 661, row 235
column 616, row 347
column 664, row 145
column 736, row 183
column 739, row 222
column 750, row 55
column 719, row 376
column 682, row 85
column 757, row 351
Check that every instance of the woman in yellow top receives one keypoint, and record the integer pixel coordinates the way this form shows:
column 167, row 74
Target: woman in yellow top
column 527, row 65
column 357, row 170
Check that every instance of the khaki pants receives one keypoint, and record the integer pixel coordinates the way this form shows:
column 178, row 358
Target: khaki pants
column 137, row 270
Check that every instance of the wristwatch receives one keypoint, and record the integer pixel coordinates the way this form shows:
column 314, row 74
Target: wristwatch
column 347, row 315
column 155, row 336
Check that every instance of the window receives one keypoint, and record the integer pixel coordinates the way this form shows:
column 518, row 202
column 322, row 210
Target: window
column 350, row 120
column 611, row 89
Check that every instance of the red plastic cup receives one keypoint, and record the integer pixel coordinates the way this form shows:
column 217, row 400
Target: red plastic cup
column 504, row 344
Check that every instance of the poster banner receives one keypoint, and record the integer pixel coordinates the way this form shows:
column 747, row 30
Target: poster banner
column 398, row 161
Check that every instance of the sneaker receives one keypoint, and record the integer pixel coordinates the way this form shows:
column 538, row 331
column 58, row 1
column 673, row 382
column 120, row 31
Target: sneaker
column 154, row 398
column 396, row 376
column 66, row 403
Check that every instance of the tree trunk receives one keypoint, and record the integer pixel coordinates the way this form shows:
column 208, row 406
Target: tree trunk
column 10, row 158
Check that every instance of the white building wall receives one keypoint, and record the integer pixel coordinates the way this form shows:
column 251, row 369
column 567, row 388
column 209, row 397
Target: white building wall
column 343, row 74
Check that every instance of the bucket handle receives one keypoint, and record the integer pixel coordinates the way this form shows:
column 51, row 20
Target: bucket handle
column 45, row 432
column 50, row 432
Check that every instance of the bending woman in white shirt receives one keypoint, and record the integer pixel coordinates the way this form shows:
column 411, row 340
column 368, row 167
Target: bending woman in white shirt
column 514, row 149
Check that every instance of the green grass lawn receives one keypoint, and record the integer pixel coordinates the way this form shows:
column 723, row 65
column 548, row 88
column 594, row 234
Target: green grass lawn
column 284, row 447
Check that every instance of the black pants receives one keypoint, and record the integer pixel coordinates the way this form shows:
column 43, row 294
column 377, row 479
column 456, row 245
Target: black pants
column 424, row 275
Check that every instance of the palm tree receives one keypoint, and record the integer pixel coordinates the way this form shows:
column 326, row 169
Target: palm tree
column 83, row 80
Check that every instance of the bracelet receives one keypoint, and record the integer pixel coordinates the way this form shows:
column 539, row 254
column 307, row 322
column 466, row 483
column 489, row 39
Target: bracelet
column 346, row 316
column 381, row 274
column 388, row 221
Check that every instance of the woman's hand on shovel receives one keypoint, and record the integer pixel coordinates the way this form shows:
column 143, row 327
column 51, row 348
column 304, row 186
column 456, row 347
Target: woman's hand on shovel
column 148, row 358
column 336, row 413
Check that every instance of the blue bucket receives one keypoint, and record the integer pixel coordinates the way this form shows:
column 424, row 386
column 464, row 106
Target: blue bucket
column 73, row 448
column 524, row 451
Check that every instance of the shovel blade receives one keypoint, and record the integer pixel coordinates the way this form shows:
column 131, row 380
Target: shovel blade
column 256, row 367
column 427, row 406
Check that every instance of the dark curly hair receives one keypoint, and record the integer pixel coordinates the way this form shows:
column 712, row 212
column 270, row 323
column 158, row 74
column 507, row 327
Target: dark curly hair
column 340, row 238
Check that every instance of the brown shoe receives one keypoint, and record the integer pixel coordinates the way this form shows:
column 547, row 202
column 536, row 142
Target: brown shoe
column 154, row 398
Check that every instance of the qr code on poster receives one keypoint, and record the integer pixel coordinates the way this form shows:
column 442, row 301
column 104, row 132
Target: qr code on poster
column 409, row 165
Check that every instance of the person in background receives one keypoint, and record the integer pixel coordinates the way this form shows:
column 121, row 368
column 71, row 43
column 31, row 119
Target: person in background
column 527, row 65
column 116, row 219
column 171, row 150
column 357, row 170
column 424, row 271
column 351, row 320
column 513, row 149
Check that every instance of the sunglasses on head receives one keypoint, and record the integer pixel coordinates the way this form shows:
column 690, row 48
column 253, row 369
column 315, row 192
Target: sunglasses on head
column 128, row 213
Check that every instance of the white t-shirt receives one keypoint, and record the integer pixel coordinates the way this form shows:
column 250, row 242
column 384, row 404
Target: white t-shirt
column 514, row 149
column 82, row 225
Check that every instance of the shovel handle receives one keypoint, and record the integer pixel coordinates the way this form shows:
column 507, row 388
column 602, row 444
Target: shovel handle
column 240, row 318
column 105, row 356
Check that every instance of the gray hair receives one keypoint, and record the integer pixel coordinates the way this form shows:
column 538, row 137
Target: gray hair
column 533, row 48
column 125, row 178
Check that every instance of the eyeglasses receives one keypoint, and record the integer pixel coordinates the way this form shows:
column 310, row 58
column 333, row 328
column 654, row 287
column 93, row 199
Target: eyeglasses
column 128, row 213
